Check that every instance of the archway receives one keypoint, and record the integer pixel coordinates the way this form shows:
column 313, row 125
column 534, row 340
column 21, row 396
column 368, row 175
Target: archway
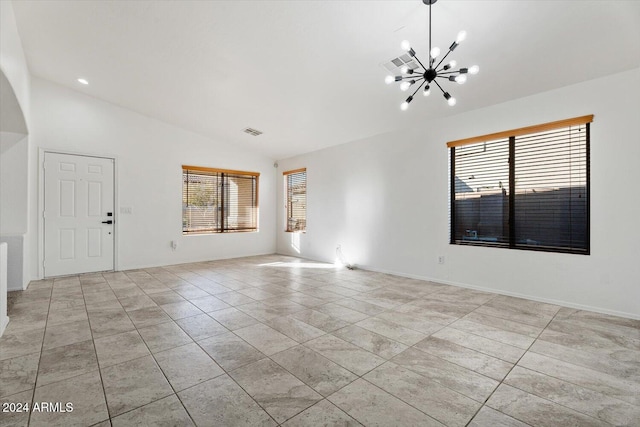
column 14, row 195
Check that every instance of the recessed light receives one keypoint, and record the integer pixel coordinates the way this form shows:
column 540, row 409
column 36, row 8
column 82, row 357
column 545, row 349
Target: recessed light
column 83, row 81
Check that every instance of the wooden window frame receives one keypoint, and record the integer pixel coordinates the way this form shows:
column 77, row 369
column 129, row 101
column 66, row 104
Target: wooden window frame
column 523, row 131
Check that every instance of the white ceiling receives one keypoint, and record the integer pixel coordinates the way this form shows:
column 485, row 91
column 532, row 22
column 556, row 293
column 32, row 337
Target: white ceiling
column 308, row 73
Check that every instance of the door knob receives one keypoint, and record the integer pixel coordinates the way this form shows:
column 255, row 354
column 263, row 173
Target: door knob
column 107, row 222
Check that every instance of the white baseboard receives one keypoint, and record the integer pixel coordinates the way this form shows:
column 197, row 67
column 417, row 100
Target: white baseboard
column 562, row 303
column 568, row 304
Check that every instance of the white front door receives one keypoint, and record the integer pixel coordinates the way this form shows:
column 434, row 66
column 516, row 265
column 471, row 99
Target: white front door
column 78, row 214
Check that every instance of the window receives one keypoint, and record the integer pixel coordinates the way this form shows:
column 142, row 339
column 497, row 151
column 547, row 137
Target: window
column 295, row 182
column 218, row 200
column 523, row 189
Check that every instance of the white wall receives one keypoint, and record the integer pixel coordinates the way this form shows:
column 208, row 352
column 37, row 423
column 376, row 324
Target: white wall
column 149, row 155
column 13, row 183
column 4, row 320
column 18, row 275
column 12, row 59
column 385, row 200
column 14, row 149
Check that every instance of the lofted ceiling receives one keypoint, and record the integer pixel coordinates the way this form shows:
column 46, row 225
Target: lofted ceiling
column 309, row 73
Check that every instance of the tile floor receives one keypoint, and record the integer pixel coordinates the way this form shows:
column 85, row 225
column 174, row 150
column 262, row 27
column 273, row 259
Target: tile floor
column 276, row 340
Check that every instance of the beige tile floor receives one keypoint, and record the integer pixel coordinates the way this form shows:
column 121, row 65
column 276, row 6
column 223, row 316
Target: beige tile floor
column 275, row 340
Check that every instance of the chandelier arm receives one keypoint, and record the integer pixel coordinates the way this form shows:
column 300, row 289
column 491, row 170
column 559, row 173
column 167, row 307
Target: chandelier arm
column 443, row 58
column 419, row 87
column 416, row 71
column 420, row 62
column 448, row 72
column 438, row 84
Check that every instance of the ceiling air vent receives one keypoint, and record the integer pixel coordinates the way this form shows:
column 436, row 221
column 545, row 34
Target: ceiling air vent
column 252, row 131
column 396, row 64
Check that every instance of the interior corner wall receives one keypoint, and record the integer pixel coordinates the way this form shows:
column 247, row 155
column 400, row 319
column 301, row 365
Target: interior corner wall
column 385, row 201
column 149, row 155
column 14, row 152
column 12, row 60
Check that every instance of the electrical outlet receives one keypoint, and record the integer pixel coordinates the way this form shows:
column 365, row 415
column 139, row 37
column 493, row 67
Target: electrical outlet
column 174, row 245
column 127, row 210
column 441, row 259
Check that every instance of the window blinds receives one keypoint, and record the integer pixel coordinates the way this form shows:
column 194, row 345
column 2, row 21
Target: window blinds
column 551, row 205
column 218, row 200
column 481, row 185
column 529, row 190
column 296, row 193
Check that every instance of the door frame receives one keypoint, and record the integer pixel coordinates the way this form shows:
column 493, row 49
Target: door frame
column 116, row 204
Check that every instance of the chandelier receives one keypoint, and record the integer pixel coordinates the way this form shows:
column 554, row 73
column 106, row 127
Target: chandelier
column 421, row 75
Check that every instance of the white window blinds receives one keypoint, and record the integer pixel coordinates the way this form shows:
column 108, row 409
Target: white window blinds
column 218, row 200
column 296, row 194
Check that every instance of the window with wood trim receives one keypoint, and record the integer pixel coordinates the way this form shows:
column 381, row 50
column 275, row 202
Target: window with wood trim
column 218, row 200
column 295, row 182
column 523, row 189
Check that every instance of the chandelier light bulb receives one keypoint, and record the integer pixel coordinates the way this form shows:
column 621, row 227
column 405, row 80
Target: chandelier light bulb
column 404, row 86
column 435, row 52
column 474, row 69
column 461, row 79
column 405, row 104
column 405, row 45
column 404, row 69
column 462, row 35
column 450, row 99
column 427, row 91
column 389, row 79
